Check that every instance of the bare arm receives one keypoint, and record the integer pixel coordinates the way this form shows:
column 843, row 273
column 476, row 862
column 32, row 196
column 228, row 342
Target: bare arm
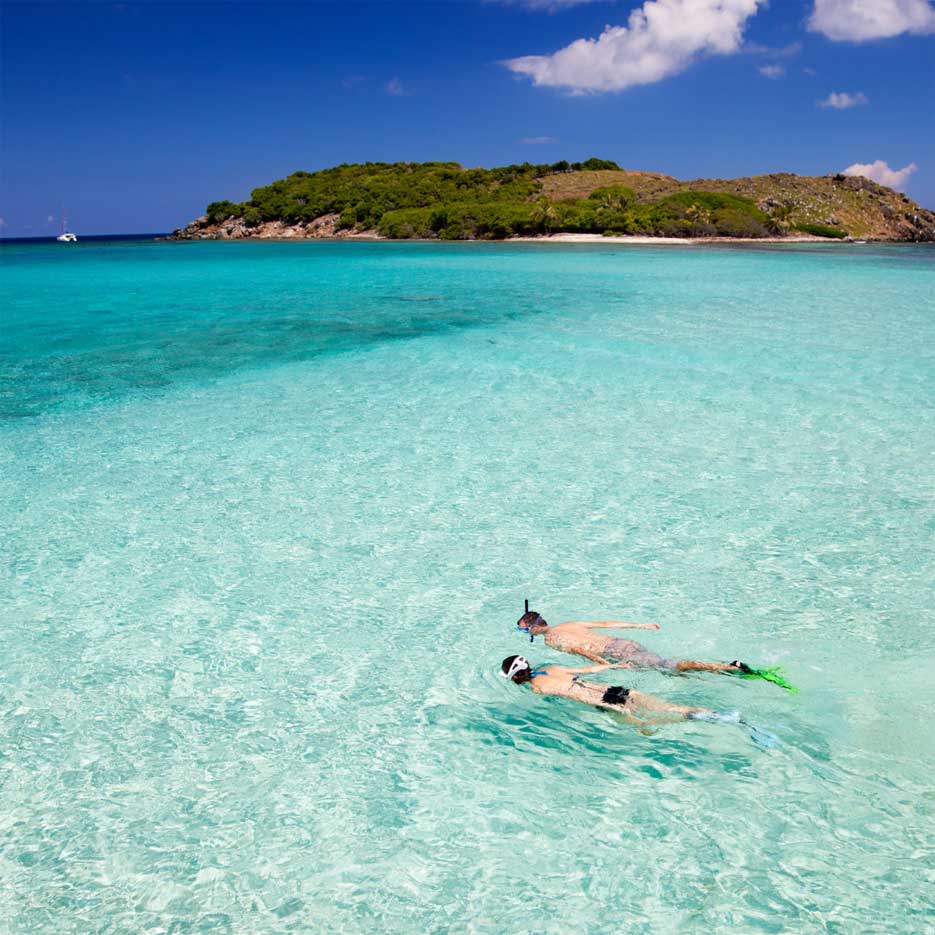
column 600, row 660
column 587, row 670
column 614, row 625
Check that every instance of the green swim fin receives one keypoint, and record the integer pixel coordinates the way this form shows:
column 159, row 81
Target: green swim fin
column 771, row 675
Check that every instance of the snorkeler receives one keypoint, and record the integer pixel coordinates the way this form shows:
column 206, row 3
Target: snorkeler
column 565, row 681
column 579, row 638
column 637, row 707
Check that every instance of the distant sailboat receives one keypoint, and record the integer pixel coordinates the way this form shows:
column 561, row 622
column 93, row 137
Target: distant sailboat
column 66, row 236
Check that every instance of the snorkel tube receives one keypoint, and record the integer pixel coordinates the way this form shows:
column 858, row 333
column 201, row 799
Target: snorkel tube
column 527, row 629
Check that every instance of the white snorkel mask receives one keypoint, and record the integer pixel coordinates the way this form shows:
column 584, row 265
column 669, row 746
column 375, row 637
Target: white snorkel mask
column 517, row 666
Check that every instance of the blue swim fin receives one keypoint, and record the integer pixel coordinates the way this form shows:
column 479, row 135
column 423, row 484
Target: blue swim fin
column 762, row 738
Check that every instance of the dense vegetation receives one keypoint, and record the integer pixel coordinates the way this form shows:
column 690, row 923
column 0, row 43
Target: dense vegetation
column 613, row 210
column 362, row 194
column 443, row 200
column 821, row 230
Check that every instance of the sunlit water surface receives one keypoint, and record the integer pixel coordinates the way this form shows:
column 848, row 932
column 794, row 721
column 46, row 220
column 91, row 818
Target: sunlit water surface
column 269, row 513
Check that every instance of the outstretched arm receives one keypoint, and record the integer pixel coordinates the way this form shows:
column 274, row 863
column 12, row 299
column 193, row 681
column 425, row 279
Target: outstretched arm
column 614, row 625
column 600, row 660
column 587, row 670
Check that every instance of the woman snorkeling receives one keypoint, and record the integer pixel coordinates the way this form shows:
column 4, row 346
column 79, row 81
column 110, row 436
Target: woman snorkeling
column 637, row 707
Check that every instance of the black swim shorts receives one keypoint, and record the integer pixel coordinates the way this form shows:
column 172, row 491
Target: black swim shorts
column 616, row 694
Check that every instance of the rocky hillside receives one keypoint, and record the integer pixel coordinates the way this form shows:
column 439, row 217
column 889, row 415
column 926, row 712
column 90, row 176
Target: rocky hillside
column 444, row 200
column 862, row 209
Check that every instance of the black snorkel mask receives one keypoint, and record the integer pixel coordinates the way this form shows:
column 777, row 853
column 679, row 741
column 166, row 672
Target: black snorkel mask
column 537, row 619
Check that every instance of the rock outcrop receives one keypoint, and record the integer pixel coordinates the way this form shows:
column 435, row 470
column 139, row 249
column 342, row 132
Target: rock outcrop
column 236, row 228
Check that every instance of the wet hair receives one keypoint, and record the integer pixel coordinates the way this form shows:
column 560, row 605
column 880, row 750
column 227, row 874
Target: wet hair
column 524, row 675
column 531, row 619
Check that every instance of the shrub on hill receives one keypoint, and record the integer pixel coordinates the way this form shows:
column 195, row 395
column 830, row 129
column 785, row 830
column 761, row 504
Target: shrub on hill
column 705, row 213
column 821, row 230
column 617, row 197
column 407, row 222
column 462, row 221
column 596, row 165
column 222, row 210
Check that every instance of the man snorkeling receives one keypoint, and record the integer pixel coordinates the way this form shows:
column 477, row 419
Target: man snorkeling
column 579, row 638
column 637, row 707
column 582, row 638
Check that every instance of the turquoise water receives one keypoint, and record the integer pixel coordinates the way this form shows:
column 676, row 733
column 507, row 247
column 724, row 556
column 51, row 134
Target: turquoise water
column 269, row 513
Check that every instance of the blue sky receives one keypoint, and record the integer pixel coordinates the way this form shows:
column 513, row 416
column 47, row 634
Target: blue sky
column 134, row 115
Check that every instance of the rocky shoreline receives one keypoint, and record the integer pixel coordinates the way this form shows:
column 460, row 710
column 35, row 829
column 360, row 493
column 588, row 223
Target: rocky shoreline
column 236, row 228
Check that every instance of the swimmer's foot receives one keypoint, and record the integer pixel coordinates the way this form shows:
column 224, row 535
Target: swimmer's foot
column 762, row 738
column 773, row 674
column 716, row 717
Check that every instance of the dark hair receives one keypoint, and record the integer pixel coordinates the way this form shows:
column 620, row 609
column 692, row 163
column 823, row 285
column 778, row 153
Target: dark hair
column 520, row 677
column 531, row 619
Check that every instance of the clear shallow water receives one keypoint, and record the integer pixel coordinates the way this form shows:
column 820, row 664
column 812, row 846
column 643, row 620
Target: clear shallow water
column 269, row 513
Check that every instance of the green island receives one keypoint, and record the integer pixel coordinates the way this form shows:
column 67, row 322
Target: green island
column 443, row 200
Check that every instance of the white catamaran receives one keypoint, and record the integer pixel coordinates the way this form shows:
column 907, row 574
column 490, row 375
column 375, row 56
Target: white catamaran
column 66, row 236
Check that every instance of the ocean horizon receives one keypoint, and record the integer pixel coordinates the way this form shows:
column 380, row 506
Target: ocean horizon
column 270, row 512
column 94, row 238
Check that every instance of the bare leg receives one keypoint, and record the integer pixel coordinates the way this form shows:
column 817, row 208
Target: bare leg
column 654, row 710
column 643, row 723
column 663, row 719
column 689, row 665
column 640, row 657
column 647, row 711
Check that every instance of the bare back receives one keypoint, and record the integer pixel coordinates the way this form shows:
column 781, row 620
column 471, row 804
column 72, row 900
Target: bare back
column 639, row 708
column 555, row 680
column 575, row 638
column 589, row 640
column 580, row 640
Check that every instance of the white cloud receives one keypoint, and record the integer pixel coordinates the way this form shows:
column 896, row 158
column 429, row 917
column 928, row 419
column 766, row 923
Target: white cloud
column 880, row 172
column 661, row 38
column 538, row 140
column 2, row 223
column 782, row 51
column 395, row 87
column 842, row 100
column 860, row 20
column 772, row 71
column 50, row 219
